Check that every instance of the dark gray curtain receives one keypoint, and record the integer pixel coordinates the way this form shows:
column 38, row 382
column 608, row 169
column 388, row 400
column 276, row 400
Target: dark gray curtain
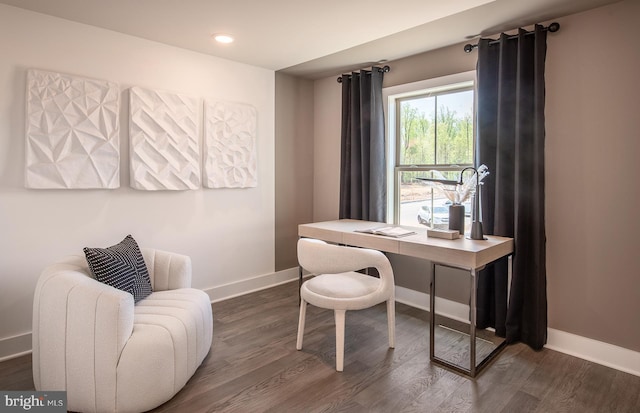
column 362, row 162
column 511, row 133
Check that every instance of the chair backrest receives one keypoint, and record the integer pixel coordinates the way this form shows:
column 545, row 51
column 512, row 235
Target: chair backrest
column 167, row 270
column 319, row 257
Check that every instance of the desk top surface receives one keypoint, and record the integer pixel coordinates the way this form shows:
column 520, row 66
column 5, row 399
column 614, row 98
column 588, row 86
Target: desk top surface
column 461, row 252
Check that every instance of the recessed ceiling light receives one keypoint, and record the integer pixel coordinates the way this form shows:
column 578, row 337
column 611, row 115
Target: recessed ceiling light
column 223, row 38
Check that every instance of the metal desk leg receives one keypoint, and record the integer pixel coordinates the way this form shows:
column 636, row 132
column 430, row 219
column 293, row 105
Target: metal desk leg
column 472, row 324
column 432, row 313
column 473, row 370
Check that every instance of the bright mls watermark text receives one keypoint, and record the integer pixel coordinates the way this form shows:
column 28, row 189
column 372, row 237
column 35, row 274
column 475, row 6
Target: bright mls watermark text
column 33, row 401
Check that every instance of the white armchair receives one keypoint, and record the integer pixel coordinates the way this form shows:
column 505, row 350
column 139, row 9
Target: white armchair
column 109, row 354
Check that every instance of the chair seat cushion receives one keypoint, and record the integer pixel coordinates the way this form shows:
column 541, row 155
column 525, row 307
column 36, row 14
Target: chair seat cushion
column 343, row 285
column 172, row 334
column 188, row 305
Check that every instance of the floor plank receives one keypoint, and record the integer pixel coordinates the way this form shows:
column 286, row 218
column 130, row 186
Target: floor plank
column 254, row 367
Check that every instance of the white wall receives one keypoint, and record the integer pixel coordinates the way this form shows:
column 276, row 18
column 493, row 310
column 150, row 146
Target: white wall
column 229, row 234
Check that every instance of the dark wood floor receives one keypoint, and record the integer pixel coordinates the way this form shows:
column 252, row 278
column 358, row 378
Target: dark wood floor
column 254, row 367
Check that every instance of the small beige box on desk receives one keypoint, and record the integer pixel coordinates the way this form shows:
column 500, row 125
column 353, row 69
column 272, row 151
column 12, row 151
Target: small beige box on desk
column 443, row 233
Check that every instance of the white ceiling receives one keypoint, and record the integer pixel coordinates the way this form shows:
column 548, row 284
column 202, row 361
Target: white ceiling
column 309, row 38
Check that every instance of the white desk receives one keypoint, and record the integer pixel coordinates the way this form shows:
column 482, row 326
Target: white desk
column 470, row 255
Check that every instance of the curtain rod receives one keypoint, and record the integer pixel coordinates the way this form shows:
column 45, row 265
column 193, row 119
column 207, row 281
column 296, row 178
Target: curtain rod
column 384, row 69
column 553, row 27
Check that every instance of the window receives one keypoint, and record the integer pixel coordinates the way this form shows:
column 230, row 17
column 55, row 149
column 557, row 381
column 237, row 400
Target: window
column 430, row 128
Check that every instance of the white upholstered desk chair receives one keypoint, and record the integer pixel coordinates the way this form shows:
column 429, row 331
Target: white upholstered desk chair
column 338, row 287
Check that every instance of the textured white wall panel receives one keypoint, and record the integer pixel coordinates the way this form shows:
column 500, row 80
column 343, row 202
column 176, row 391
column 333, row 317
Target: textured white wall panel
column 164, row 140
column 230, row 145
column 72, row 132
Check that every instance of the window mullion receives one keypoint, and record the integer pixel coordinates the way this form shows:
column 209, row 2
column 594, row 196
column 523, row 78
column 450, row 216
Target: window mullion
column 435, row 131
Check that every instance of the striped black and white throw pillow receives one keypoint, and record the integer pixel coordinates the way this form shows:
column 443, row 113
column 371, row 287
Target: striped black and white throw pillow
column 121, row 266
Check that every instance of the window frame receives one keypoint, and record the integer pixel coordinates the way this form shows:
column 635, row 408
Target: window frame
column 395, row 94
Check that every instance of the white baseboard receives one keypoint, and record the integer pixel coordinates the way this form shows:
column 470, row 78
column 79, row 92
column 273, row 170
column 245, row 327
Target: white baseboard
column 249, row 285
column 447, row 308
column 585, row 348
column 596, row 351
column 16, row 346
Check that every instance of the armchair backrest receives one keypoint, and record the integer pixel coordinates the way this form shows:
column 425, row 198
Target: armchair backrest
column 167, row 270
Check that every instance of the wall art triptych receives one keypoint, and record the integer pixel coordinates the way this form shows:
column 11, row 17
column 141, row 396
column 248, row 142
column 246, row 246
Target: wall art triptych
column 72, row 137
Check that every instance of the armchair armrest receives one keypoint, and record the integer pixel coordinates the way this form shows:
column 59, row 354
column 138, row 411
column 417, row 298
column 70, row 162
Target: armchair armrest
column 167, row 270
column 80, row 327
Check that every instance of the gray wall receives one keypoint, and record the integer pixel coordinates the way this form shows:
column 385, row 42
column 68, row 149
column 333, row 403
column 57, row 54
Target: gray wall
column 592, row 147
column 293, row 163
column 592, row 192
